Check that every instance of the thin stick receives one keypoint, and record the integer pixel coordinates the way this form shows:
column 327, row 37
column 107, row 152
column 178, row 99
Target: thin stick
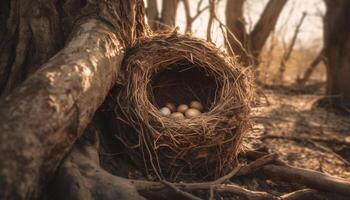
column 228, row 176
column 177, row 190
column 147, row 187
column 211, row 197
column 222, row 180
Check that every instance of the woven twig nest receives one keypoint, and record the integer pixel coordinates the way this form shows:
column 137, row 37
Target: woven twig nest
column 179, row 68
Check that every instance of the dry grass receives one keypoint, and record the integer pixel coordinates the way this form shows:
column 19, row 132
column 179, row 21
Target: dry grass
column 204, row 147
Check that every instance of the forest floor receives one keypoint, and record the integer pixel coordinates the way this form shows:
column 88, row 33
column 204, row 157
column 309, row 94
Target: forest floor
column 288, row 124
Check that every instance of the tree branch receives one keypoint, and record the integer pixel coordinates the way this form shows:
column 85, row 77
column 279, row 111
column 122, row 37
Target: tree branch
column 310, row 178
column 212, row 16
column 289, row 50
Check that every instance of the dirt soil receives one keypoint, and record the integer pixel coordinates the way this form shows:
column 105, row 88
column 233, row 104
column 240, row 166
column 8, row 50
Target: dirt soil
column 291, row 116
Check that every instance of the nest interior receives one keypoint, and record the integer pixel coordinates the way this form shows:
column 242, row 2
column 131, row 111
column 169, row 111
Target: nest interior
column 182, row 83
column 176, row 68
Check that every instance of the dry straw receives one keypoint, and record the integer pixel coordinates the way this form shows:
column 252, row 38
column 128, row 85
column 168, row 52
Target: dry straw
column 204, row 147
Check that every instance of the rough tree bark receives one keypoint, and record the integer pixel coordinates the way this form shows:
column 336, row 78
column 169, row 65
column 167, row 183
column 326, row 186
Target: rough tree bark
column 254, row 41
column 337, row 52
column 43, row 117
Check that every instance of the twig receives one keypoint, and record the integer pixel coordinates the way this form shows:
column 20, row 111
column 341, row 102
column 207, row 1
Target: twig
column 257, row 164
column 227, row 176
column 240, row 45
column 177, row 190
column 222, row 180
column 302, row 194
column 249, row 194
column 211, row 197
column 147, row 186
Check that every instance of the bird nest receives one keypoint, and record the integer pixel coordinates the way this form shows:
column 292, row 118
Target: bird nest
column 179, row 68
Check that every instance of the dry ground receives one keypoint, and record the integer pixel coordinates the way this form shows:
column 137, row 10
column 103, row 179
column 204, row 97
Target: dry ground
column 292, row 116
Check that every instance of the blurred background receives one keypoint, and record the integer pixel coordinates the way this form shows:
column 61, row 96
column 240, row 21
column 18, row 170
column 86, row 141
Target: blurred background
column 297, row 52
column 295, row 34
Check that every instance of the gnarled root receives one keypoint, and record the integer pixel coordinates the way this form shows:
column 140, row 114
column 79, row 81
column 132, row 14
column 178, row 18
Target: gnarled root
column 80, row 176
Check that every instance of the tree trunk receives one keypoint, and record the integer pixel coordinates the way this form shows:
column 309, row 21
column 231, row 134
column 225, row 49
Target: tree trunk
column 236, row 24
column 168, row 15
column 81, row 177
column 254, row 42
column 153, row 14
column 337, row 51
column 43, row 117
column 265, row 25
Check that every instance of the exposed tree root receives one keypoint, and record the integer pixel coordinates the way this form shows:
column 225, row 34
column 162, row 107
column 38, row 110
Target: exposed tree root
column 44, row 116
column 310, row 178
column 81, row 178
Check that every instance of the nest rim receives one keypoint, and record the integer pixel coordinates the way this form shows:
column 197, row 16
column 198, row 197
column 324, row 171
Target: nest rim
column 230, row 106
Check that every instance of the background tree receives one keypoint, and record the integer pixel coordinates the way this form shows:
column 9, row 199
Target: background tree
column 167, row 15
column 254, row 41
column 189, row 18
column 336, row 51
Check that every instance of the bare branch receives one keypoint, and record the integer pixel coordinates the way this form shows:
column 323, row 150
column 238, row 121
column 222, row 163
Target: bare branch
column 289, row 50
column 211, row 19
column 177, row 190
column 308, row 72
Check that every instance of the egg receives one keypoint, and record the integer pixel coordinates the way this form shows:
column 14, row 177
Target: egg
column 165, row 111
column 182, row 108
column 171, row 107
column 197, row 105
column 177, row 115
column 192, row 112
